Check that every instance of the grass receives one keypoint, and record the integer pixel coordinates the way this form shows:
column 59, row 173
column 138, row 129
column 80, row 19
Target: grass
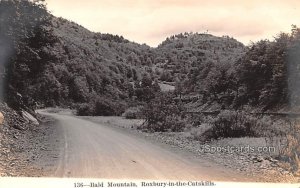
column 116, row 121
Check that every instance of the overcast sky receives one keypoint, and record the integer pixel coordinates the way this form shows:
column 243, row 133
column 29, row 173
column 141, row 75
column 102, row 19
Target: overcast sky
column 151, row 21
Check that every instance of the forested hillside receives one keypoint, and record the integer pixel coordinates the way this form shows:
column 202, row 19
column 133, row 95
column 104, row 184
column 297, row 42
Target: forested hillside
column 201, row 65
column 180, row 55
column 263, row 76
column 57, row 62
column 51, row 61
column 91, row 68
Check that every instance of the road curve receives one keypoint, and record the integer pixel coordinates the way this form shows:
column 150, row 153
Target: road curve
column 92, row 150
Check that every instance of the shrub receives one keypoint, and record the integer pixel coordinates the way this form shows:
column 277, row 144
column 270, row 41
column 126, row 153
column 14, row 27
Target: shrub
column 106, row 107
column 197, row 119
column 100, row 107
column 202, row 132
column 164, row 114
column 84, row 109
column 291, row 147
column 175, row 123
column 133, row 113
column 234, row 124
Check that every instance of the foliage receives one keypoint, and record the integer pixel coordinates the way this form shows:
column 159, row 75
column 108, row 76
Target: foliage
column 52, row 61
column 234, row 124
column 202, row 132
column 101, row 107
column 265, row 61
column 191, row 53
column 84, row 109
column 23, row 27
column 146, row 88
column 105, row 107
column 164, row 114
column 133, row 113
column 264, row 75
column 275, row 67
column 293, row 69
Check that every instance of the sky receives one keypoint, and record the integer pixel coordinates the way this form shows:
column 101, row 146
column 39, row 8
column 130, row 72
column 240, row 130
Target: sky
column 151, row 21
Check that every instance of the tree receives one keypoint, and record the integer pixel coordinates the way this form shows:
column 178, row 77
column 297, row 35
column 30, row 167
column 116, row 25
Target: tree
column 79, row 90
column 178, row 87
column 23, row 25
column 146, row 88
column 263, row 72
column 294, row 75
column 163, row 114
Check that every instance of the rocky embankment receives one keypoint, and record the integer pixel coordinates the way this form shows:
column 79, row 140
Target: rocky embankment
column 22, row 142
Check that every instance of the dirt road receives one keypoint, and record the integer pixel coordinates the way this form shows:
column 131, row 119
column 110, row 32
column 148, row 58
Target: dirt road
column 91, row 150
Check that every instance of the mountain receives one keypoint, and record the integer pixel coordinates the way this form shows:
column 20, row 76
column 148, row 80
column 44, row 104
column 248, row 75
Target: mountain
column 58, row 62
column 105, row 65
column 181, row 53
column 90, row 64
column 201, row 66
column 51, row 61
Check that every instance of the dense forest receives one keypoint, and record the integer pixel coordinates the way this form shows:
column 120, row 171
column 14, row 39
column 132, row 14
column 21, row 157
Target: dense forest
column 48, row 61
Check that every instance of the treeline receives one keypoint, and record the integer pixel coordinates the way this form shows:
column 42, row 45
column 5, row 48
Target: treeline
column 48, row 61
column 266, row 76
column 25, row 37
column 182, row 56
column 54, row 62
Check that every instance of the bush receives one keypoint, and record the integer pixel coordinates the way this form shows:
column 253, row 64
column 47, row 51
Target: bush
column 202, row 132
column 163, row 114
column 196, row 119
column 104, row 108
column 175, row 123
column 133, row 113
column 84, row 109
column 100, row 107
column 234, row 124
column 290, row 151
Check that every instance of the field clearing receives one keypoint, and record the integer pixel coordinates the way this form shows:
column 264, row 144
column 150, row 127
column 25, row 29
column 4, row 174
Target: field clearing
column 166, row 87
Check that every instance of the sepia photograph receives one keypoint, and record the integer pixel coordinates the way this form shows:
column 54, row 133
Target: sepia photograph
column 149, row 93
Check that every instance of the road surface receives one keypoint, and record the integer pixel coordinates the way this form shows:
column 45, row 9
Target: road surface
column 91, row 150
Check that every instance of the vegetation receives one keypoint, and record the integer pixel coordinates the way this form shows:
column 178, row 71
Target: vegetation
column 133, row 113
column 234, row 124
column 48, row 61
column 291, row 149
column 23, row 28
column 100, row 107
column 164, row 114
column 54, row 62
column 57, row 62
